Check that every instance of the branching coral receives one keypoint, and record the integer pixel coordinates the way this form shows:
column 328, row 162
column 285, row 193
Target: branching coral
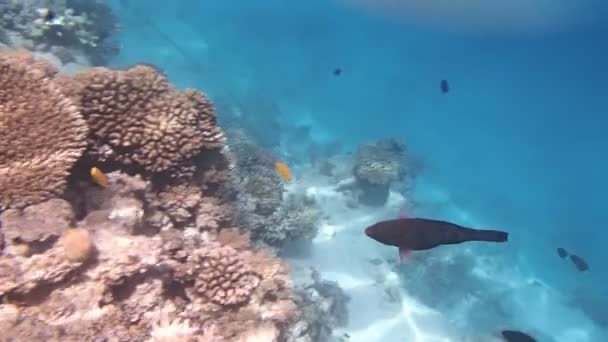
column 41, row 132
column 143, row 121
column 261, row 186
column 262, row 209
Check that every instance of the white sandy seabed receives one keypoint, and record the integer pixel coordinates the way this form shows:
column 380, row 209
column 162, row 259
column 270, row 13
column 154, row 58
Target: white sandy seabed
column 342, row 253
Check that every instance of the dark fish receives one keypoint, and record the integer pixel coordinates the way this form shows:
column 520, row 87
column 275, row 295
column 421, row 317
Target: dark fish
column 421, row 234
column 445, row 86
column 580, row 264
column 516, row 336
column 562, row 252
column 337, row 72
column 49, row 16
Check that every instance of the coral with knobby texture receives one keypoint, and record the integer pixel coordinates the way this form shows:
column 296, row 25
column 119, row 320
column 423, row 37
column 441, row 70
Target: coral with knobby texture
column 138, row 119
column 42, row 133
column 133, row 275
column 223, row 276
column 376, row 166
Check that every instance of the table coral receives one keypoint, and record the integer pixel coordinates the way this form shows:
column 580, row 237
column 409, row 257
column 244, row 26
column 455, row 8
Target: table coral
column 41, row 132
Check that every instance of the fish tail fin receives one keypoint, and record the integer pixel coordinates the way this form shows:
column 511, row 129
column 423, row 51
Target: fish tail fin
column 490, row 235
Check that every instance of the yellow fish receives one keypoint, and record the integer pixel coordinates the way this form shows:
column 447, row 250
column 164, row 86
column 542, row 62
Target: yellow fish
column 99, row 177
column 283, row 171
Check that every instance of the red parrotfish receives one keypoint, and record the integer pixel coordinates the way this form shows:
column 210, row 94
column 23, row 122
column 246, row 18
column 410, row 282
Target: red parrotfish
column 418, row 234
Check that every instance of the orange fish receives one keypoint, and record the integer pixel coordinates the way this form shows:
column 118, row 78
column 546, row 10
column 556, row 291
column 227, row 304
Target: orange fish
column 283, row 171
column 99, row 177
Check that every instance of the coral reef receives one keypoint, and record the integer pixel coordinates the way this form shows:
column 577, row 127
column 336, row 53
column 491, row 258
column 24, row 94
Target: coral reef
column 63, row 27
column 139, row 120
column 198, row 277
column 376, row 166
column 271, row 218
column 155, row 254
column 41, row 131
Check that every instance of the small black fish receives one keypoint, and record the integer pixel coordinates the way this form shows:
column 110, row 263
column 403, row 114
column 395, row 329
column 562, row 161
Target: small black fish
column 49, row 16
column 421, row 234
column 516, row 336
column 445, row 86
column 562, row 252
column 337, row 72
column 580, row 264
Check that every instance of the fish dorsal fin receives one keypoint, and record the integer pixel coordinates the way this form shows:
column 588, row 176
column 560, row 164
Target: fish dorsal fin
column 402, row 213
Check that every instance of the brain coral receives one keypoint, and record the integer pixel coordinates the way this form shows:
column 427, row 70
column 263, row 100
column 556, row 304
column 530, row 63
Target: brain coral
column 41, row 132
column 143, row 120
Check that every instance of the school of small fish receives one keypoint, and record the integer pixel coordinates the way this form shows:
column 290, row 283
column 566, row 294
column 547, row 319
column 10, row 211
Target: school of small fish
column 578, row 261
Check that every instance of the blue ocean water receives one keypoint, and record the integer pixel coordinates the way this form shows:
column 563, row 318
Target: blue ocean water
column 520, row 140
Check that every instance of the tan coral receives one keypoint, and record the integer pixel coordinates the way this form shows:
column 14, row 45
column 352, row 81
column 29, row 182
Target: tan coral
column 213, row 215
column 148, row 123
column 41, row 132
column 222, row 276
column 78, row 244
column 179, row 202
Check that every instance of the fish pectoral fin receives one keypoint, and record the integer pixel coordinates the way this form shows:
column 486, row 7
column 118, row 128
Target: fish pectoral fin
column 404, row 254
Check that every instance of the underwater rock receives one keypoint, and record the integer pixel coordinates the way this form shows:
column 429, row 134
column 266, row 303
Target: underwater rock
column 37, row 224
column 376, row 166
